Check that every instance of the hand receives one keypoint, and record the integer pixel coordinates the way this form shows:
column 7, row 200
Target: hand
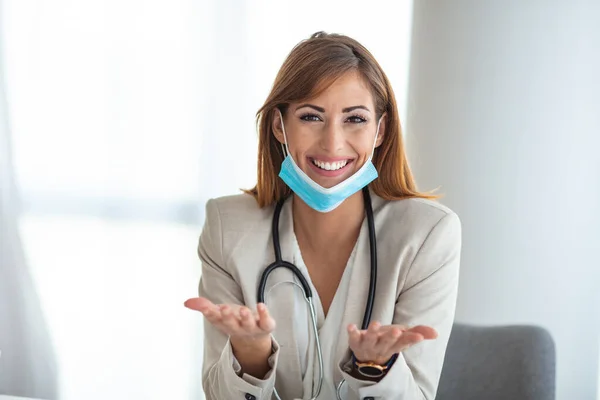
column 378, row 343
column 249, row 332
column 236, row 321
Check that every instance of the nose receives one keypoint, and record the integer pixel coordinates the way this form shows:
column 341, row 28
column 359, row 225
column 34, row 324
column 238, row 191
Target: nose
column 332, row 138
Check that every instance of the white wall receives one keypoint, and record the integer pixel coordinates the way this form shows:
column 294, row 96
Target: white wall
column 504, row 115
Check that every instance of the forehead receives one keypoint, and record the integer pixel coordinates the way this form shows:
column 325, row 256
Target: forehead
column 349, row 89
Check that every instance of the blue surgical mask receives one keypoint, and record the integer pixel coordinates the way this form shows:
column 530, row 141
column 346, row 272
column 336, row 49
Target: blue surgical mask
column 316, row 196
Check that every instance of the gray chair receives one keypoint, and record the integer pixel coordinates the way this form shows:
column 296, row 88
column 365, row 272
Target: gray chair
column 498, row 363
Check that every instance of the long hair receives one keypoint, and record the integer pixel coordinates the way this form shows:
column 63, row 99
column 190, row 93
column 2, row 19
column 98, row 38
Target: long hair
column 308, row 70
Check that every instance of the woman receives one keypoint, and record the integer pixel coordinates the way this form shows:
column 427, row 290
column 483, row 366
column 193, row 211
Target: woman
column 328, row 129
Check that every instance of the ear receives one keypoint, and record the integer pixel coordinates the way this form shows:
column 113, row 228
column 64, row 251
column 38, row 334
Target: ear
column 276, row 126
column 382, row 130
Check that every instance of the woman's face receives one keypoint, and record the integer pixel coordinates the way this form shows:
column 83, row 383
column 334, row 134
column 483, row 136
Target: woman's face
column 331, row 136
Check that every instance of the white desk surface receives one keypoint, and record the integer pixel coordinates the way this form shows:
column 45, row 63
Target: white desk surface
column 5, row 397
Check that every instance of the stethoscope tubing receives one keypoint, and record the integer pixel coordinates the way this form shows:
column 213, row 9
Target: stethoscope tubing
column 279, row 262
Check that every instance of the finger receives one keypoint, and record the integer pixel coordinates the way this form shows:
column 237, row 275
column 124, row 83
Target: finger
column 385, row 329
column 370, row 337
column 229, row 320
column 198, row 304
column 247, row 320
column 265, row 322
column 406, row 340
column 214, row 311
column 426, row 331
column 387, row 340
column 354, row 337
column 214, row 319
column 206, row 307
column 214, row 316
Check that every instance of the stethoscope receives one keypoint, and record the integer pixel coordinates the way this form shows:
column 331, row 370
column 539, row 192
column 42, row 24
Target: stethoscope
column 306, row 287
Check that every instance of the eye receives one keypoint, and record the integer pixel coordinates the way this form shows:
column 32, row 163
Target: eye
column 356, row 119
column 310, row 117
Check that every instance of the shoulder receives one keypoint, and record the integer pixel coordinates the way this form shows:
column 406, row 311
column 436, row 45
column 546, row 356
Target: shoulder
column 414, row 212
column 237, row 233
column 410, row 223
column 238, row 212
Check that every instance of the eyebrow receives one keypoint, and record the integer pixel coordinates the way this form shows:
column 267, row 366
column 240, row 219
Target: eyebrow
column 345, row 110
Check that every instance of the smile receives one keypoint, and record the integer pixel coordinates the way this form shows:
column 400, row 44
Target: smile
column 330, row 166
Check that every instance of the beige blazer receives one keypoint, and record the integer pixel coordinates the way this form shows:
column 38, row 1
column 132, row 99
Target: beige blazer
column 418, row 243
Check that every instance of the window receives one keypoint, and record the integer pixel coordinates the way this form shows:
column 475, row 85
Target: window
column 124, row 115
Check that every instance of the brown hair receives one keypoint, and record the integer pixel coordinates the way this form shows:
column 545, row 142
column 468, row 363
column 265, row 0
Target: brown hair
column 309, row 69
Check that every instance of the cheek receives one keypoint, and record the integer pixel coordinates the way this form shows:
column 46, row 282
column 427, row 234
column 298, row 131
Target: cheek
column 302, row 139
column 363, row 147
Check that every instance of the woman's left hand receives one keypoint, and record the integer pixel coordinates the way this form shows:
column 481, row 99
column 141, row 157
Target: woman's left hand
column 378, row 343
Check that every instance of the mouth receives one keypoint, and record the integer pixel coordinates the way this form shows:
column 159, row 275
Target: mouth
column 330, row 168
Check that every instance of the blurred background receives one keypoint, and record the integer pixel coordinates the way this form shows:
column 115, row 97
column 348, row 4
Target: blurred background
column 119, row 119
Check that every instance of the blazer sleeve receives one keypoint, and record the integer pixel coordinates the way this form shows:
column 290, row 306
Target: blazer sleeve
column 221, row 373
column 428, row 298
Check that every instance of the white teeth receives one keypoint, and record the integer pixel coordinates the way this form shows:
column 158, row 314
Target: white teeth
column 333, row 166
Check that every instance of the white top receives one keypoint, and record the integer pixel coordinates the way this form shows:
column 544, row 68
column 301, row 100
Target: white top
column 328, row 329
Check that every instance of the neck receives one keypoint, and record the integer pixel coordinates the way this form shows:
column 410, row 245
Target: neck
column 323, row 231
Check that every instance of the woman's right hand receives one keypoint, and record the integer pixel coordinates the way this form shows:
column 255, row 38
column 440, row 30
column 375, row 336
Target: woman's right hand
column 249, row 332
column 238, row 322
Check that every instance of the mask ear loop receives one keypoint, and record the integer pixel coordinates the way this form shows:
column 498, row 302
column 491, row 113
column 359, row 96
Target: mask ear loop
column 376, row 136
column 285, row 148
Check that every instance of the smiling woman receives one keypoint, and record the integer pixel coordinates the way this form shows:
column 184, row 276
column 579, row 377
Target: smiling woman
column 332, row 179
column 326, row 82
